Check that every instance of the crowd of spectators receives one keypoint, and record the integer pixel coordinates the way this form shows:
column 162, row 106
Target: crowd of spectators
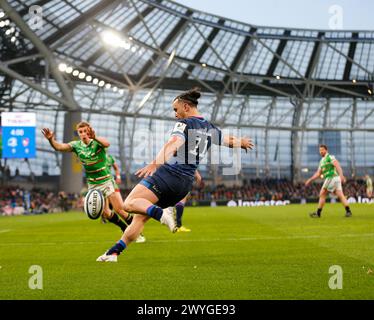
column 271, row 189
column 17, row 201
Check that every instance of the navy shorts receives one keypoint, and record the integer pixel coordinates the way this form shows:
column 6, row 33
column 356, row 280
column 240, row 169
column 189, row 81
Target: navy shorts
column 168, row 186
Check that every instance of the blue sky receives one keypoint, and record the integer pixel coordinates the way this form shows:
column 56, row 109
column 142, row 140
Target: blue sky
column 314, row 14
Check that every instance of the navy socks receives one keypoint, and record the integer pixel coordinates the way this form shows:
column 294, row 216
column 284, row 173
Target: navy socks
column 155, row 212
column 117, row 248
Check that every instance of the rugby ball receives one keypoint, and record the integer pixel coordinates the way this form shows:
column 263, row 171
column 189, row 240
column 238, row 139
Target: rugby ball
column 94, row 204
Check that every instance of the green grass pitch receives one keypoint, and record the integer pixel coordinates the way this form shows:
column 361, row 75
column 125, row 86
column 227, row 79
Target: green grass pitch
column 231, row 253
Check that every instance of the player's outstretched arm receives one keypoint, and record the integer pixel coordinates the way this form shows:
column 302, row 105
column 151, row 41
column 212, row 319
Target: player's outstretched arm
column 92, row 135
column 50, row 136
column 166, row 152
column 314, row 177
column 235, row 142
column 339, row 170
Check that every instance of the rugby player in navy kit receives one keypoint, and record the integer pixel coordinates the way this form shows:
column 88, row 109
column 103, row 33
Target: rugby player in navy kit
column 169, row 177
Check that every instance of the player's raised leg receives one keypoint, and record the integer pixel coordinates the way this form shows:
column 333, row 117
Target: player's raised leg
column 141, row 200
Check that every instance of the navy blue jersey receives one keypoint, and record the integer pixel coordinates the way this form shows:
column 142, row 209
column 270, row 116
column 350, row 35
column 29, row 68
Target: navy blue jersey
column 198, row 135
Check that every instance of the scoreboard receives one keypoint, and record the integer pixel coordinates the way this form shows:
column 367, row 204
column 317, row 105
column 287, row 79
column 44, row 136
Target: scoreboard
column 18, row 134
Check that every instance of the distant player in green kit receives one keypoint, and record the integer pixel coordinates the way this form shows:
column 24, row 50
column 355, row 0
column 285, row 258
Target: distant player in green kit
column 111, row 162
column 369, row 186
column 91, row 151
column 330, row 169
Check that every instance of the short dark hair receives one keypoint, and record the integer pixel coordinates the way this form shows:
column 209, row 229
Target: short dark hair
column 191, row 96
column 323, row 146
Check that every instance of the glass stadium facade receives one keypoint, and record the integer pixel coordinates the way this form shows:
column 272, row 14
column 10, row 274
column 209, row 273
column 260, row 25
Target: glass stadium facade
column 289, row 90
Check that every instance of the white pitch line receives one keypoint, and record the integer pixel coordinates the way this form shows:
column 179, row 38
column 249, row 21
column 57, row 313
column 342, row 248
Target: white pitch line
column 5, row 230
column 193, row 240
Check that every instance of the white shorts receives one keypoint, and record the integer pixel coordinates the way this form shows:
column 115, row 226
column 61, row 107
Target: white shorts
column 333, row 184
column 107, row 188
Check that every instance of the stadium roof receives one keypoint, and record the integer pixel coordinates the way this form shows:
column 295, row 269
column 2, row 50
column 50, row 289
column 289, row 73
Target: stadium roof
column 164, row 43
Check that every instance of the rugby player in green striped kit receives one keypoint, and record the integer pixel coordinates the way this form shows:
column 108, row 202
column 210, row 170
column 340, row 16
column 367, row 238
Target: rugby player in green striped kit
column 330, row 169
column 91, row 151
